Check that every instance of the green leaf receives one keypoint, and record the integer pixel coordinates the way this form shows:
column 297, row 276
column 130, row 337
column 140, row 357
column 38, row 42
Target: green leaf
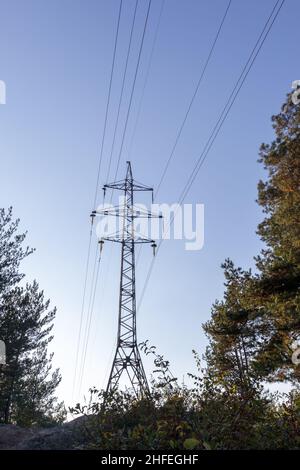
column 191, row 443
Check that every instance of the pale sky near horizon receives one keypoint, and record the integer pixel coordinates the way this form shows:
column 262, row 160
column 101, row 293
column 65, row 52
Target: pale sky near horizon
column 55, row 59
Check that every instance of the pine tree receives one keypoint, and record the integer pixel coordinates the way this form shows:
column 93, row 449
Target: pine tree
column 233, row 335
column 278, row 287
column 27, row 381
column 252, row 331
column 11, row 251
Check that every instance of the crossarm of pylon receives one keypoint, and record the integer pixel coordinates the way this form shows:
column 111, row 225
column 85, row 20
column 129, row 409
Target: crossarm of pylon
column 120, row 239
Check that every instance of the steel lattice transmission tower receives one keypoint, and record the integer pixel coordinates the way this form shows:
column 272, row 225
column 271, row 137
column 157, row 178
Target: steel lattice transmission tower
column 127, row 357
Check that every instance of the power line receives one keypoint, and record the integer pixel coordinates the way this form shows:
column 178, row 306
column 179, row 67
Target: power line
column 133, row 86
column 95, row 197
column 82, row 311
column 122, row 91
column 87, row 316
column 212, row 48
column 118, row 112
column 94, row 284
column 143, row 93
column 89, row 322
column 231, row 100
column 147, row 75
column 224, row 114
column 135, row 127
column 193, row 96
column 108, row 102
column 92, row 294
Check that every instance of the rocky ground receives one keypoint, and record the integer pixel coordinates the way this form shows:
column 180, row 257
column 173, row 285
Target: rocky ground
column 67, row 436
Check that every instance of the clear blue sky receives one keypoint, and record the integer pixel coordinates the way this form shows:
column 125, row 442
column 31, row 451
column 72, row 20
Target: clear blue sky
column 55, row 60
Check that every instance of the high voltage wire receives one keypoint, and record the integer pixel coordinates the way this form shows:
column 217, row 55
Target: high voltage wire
column 142, row 96
column 122, row 91
column 182, row 125
column 146, row 76
column 193, row 97
column 88, row 315
column 232, row 98
column 94, row 284
column 82, row 310
column 89, row 322
column 95, row 197
column 107, row 103
column 135, row 126
column 214, row 133
column 133, row 87
column 224, row 114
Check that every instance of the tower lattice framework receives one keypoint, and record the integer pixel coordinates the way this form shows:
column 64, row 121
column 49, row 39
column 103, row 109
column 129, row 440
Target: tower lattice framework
column 127, row 359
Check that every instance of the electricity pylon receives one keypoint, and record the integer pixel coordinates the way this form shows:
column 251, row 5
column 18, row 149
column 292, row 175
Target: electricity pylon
column 127, row 358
